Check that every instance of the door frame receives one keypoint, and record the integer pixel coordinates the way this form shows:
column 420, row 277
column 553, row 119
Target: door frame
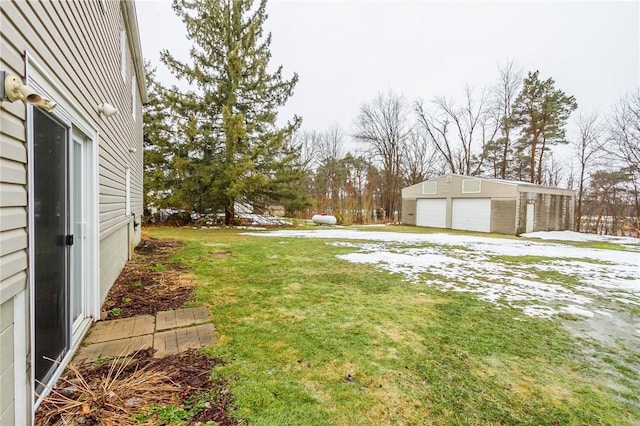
column 530, row 217
column 77, row 121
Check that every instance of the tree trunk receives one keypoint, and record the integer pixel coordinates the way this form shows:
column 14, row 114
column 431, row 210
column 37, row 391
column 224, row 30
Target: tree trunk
column 578, row 216
column 532, row 162
column 505, row 154
column 540, row 158
column 229, row 213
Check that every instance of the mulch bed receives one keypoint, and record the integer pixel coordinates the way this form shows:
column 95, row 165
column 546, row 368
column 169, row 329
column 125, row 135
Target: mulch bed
column 188, row 373
column 148, row 283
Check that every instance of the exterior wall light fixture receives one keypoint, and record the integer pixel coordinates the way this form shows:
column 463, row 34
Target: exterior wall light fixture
column 13, row 89
column 107, row 110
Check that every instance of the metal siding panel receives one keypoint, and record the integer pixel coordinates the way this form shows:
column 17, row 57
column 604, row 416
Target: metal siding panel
column 471, row 214
column 431, row 212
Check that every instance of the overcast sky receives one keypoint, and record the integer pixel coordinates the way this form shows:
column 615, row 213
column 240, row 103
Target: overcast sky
column 346, row 52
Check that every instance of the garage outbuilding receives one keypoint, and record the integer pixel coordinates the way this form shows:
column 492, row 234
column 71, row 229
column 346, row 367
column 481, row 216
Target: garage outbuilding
column 487, row 205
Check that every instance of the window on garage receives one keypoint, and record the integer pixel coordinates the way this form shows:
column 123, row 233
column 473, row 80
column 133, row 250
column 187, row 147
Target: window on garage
column 471, row 186
column 430, row 187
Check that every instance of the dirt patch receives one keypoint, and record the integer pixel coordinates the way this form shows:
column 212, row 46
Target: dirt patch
column 149, row 282
column 139, row 390
column 222, row 255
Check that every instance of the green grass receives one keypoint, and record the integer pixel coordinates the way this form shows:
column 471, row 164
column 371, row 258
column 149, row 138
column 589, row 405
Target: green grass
column 309, row 339
column 603, row 245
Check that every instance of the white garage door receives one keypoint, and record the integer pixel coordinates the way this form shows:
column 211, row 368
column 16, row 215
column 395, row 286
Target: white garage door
column 431, row 212
column 471, row 214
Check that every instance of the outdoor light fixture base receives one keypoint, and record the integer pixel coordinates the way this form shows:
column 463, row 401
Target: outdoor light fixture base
column 13, row 89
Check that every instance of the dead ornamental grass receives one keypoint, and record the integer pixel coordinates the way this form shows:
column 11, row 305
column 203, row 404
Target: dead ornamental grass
column 109, row 400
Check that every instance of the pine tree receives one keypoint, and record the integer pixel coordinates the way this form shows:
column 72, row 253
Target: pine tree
column 157, row 145
column 541, row 111
column 231, row 135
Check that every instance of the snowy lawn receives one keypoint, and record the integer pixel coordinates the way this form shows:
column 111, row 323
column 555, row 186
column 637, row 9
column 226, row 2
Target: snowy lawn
column 595, row 291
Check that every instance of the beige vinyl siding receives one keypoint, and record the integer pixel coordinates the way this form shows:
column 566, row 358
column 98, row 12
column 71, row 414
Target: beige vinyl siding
column 13, row 177
column 83, row 52
column 13, row 222
column 113, row 254
column 6, row 363
column 409, row 211
column 84, row 58
column 13, row 241
column 13, row 219
column 77, row 44
column 453, row 188
column 86, row 51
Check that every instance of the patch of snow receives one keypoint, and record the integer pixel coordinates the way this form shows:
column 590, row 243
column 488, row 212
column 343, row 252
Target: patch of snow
column 580, row 236
column 578, row 310
column 607, row 282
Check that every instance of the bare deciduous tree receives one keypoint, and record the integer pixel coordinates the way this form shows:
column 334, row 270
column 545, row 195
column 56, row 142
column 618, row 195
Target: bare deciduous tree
column 331, row 144
column 587, row 147
column 624, row 129
column 553, row 172
column 384, row 126
column 460, row 134
column 308, row 143
column 419, row 160
column 504, row 95
column 332, row 151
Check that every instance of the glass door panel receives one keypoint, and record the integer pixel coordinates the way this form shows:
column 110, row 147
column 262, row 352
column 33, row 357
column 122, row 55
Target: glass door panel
column 79, row 230
column 50, row 142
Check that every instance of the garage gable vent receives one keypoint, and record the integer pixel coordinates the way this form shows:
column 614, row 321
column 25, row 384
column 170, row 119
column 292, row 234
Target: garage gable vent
column 430, row 187
column 471, row 186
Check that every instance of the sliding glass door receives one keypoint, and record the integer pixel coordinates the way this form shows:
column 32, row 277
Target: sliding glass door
column 51, row 243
